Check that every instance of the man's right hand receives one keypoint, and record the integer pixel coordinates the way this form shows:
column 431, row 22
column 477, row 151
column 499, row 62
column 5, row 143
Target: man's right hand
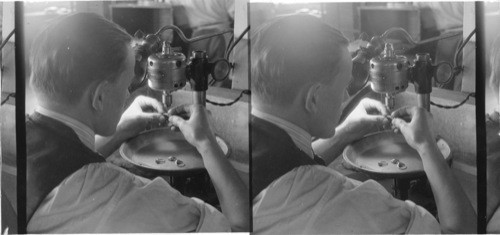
column 418, row 129
column 456, row 213
column 192, row 121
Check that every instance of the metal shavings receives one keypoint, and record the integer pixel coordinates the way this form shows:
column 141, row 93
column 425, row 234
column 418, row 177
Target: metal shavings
column 180, row 163
column 394, row 161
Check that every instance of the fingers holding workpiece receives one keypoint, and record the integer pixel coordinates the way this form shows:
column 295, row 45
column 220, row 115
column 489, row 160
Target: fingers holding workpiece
column 192, row 122
column 415, row 124
column 374, row 107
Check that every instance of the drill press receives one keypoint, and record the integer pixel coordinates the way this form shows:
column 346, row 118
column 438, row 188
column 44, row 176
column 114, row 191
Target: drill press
column 166, row 72
column 389, row 73
column 168, row 69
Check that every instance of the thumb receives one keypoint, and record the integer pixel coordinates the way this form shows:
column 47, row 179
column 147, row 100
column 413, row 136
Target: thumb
column 177, row 121
column 399, row 123
column 373, row 106
column 153, row 117
column 378, row 119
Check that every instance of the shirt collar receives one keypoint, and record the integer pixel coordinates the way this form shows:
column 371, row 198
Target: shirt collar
column 301, row 138
column 84, row 133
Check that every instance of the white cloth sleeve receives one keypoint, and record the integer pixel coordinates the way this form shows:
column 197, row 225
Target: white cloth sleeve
column 103, row 198
column 319, row 200
column 494, row 223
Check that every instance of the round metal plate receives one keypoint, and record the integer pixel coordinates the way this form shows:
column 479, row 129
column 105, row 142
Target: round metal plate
column 377, row 153
column 162, row 149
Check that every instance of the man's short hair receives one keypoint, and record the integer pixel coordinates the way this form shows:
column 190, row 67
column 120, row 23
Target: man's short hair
column 290, row 52
column 73, row 52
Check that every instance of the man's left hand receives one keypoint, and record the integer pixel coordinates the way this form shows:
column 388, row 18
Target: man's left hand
column 369, row 116
column 139, row 117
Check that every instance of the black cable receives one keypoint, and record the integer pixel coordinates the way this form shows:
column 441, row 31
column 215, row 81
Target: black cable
column 457, row 69
column 236, row 42
column 232, row 102
column 7, row 39
column 230, row 43
column 230, row 48
column 211, row 82
column 183, row 37
column 462, row 46
column 13, row 95
column 454, row 106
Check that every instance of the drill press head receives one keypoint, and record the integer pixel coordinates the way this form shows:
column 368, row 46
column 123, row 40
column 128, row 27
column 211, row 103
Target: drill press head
column 159, row 64
column 389, row 74
column 169, row 70
column 166, row 70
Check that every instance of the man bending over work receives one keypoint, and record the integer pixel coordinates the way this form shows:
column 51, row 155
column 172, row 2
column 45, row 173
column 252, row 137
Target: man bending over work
column 81, row 67
column 300, row 68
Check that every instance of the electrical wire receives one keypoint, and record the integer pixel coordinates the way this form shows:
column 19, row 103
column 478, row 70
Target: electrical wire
column 231, row 40
column 462, row 46
column 456, row 70
column 454, row 106
column 211, row 82
column 230, row 48
column 13, row 95
column 228, row 52
column 413, row 42
column 247, row 92
column 190, row 40
column 7, row 39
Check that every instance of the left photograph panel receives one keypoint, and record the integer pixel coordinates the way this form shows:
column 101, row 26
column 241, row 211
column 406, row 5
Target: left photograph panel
column 7, row 120
column 136, row 117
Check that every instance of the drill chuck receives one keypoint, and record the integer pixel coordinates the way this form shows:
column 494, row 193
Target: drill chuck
column 389, row 73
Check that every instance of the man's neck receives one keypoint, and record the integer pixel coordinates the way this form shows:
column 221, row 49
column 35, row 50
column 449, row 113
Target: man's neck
column 289, row 123
column 75, row 112
column 288, row 114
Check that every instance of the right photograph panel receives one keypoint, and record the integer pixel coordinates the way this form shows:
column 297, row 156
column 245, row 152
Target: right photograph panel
column 492, row 55
column 363, row 117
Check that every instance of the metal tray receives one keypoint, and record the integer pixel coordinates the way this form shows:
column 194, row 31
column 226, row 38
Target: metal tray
column 366, row 154
column 152, row 150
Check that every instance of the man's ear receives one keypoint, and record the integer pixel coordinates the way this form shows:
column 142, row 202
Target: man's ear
column 97, row 97
column 312, row 98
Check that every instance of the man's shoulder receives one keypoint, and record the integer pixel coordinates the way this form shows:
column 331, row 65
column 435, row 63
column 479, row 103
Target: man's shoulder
column 321, row 192
column 54, row 152
column 267, row 137
column 104, row 174
column 263, row 127
column 105, row 198
column 44, row 130
column 314, row 176
column 273, row 154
